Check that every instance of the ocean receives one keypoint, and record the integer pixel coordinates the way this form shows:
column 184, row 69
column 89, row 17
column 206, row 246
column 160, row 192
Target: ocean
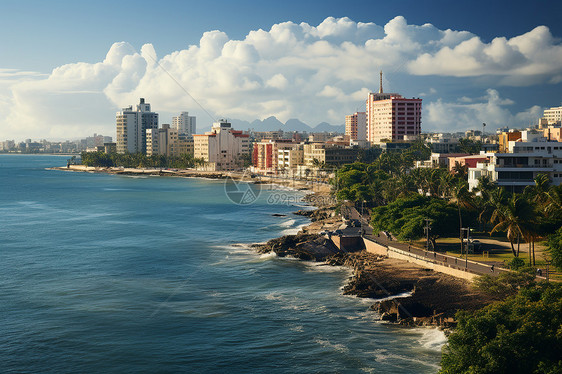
column 120, row 274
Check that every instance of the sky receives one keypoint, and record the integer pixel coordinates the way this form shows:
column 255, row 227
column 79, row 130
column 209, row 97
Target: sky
column 66, row 67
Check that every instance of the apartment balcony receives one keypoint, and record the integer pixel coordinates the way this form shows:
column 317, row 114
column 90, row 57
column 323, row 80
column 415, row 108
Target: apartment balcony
column 523, row 168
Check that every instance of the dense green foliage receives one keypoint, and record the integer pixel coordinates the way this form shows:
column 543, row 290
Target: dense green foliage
column 405, row 218
column 138, row 160
column 506, row 284
column 522, row 334
column 555, row 248
column 467, row 145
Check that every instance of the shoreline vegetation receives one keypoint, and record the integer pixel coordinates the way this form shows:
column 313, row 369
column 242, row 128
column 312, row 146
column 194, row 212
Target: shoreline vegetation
column 402, row 292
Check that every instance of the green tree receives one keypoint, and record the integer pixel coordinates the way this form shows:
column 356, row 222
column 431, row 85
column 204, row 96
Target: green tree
column 470, row 146
column 405, row 218
column 519, row 335
column 506, row 284
column 512, row 218
column 554, row 243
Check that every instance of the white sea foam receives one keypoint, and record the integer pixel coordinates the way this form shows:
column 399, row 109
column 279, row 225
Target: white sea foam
column 287, row 223
column 325, row 268
column 433, row 339
column 327, row 344
column 268, row 256
column 399, row 296
column 274, row 296
column 297, row 328
column 294, row 230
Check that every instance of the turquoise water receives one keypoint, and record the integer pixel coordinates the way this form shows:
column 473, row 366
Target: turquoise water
column 103, row 273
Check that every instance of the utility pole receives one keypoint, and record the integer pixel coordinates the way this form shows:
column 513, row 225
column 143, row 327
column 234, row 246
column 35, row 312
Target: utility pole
column 427, row 228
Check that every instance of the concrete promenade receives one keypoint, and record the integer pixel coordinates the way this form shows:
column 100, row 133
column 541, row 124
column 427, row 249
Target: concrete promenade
column 380, row 243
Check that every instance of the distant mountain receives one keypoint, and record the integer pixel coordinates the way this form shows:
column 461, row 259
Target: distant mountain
column 325, row 126
column 273, row 124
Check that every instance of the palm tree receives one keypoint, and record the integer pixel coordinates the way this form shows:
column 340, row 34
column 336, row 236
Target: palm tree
column 539, row 192
column 553, row 204
column 432, row 178
column 513, row 218
column 460, row 170
column 461, row 195
column 446, row 181
column 489, row 202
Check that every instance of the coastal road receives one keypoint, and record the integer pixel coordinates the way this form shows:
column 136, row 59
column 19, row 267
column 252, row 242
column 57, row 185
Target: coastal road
column 387, row 240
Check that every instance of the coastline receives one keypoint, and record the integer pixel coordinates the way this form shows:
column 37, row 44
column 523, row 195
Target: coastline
column 401, row 292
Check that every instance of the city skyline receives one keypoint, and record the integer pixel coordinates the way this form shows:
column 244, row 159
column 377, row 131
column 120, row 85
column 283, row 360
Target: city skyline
column 317, row 65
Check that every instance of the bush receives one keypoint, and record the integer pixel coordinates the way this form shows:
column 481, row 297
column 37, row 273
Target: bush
column 519, row 335
column 516, row 263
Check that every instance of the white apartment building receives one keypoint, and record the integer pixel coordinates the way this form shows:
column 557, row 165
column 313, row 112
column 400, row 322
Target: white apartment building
column 132, row 125
column 521, row 165
column 552, row 116
column 222, row 148
column 184, row 124
column 442, row 144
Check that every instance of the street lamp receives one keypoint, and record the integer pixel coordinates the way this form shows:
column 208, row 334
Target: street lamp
column 467, row 229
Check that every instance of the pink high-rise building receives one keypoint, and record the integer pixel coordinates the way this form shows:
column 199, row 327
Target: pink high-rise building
column 391, row 116
column 356, row 126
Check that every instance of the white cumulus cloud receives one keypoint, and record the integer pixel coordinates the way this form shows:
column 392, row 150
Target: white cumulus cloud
column 314, row 73
column 470, row 114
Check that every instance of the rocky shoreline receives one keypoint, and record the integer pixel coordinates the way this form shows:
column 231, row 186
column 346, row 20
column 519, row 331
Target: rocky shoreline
column 402, row 292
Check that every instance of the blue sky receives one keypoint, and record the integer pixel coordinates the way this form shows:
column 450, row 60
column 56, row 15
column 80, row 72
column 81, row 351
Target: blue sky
column 39, row 99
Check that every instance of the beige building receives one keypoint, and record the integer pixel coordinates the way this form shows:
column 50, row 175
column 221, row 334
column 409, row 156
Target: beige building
column 356, row 126
column 290, row 158
column 163, row 141
column 553, row 133
column 328, row 154
column 222, row 148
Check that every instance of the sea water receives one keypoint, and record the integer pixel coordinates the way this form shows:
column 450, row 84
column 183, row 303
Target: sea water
column 121, row 274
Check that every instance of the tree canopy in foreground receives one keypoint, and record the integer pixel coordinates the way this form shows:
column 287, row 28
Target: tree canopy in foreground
column 405, row 218
column 522, row 334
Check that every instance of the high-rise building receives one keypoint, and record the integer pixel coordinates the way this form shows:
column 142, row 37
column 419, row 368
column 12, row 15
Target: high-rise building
column 391, row 117
column 356, row 126
column 132, row 125
column 166, row 141
column 222, row 148
column 184, row 124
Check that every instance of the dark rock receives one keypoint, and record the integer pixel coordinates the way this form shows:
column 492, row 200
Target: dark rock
column 316, row 215
column 311, row 247
column 279, row 215
column 390, row 317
